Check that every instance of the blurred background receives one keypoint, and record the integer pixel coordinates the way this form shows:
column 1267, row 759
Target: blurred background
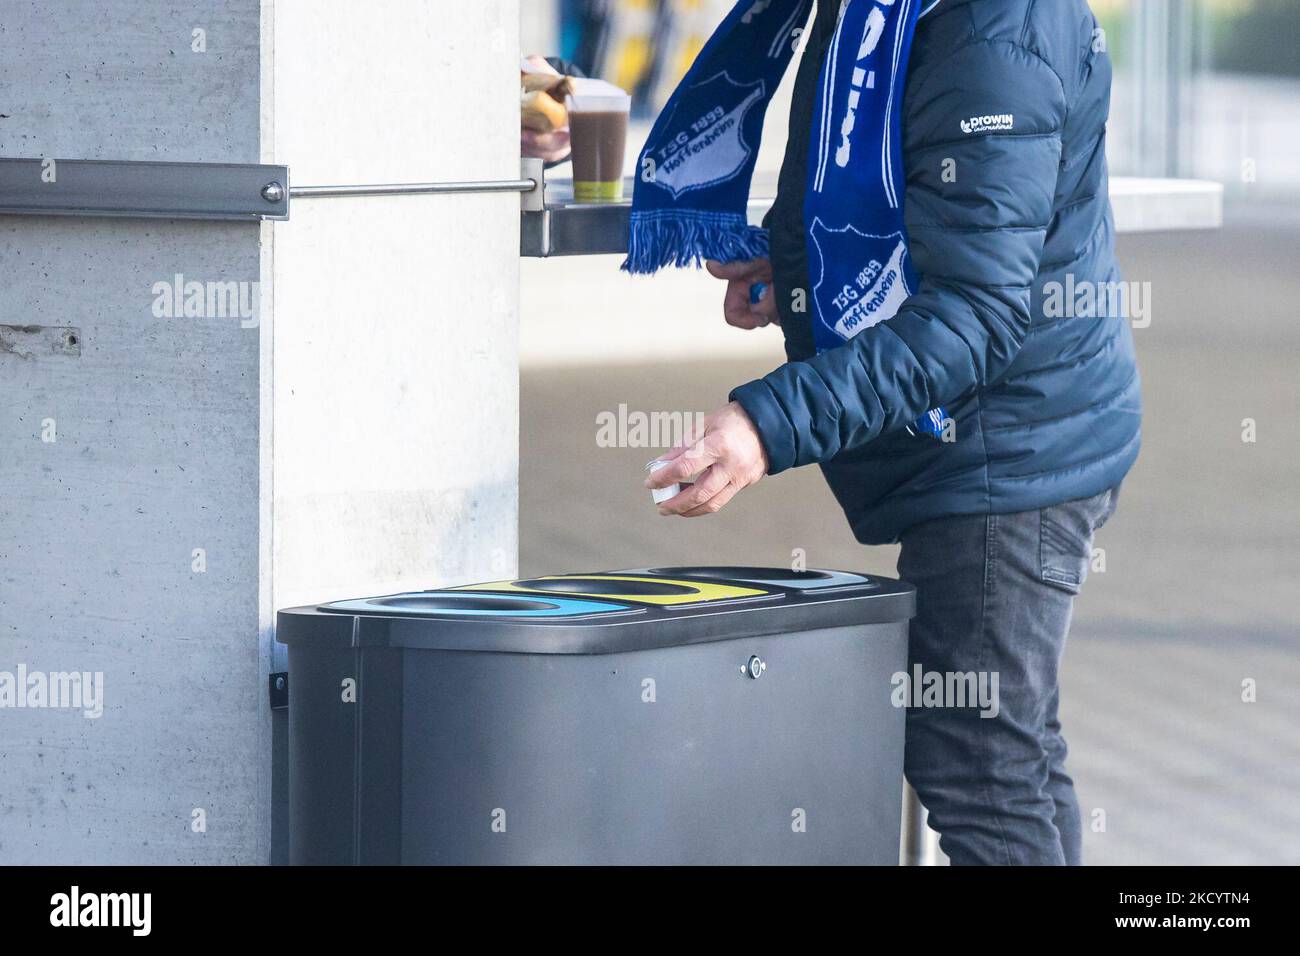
column 1201, row 561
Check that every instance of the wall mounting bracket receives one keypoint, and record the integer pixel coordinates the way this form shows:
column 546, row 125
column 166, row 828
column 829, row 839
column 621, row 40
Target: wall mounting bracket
column 131, row 189
column 148, row 190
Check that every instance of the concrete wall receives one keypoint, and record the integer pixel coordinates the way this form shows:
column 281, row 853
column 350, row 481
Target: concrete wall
column 360, row 436
column 396, row 333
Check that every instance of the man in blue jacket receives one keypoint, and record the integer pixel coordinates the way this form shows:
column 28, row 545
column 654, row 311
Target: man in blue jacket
column 1004, row 151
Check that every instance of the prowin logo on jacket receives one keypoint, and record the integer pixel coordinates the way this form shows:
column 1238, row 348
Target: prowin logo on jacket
column 989, row 123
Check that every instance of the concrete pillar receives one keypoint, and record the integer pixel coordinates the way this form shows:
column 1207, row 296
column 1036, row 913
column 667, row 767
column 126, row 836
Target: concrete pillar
column 171, row 481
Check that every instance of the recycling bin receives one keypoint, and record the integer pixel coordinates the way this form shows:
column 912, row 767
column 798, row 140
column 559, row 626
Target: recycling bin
column 685, row 715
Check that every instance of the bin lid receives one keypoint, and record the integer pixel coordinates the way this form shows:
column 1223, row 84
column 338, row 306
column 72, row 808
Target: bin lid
column 535, row 622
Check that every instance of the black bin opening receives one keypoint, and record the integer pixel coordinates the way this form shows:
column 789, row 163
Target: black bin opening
column 739, row 573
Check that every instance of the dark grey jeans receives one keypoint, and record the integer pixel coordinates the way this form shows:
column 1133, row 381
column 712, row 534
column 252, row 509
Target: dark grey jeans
column 994, row 594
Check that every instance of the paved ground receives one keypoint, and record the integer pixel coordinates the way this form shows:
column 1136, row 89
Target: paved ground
column 1200, row 589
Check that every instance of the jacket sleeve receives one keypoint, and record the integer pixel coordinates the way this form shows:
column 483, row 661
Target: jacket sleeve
column 977, row 207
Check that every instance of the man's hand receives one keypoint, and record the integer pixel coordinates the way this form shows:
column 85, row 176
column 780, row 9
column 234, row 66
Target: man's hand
column 736, row 307
column 727, row 457
column 548, row 147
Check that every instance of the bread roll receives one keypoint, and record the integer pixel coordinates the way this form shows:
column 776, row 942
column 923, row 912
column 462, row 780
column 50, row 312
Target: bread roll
column 554, row 83
column 541, row 112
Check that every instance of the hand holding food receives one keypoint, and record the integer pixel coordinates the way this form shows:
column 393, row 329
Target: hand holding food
column 544, row 121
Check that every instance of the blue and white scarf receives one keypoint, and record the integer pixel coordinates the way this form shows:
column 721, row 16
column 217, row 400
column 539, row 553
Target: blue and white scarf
column 694, row 173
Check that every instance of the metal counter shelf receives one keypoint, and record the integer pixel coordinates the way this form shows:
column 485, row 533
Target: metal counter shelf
column 563, row 227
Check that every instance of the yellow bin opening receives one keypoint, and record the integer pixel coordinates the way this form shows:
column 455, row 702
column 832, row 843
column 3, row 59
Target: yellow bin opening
column 644, row 589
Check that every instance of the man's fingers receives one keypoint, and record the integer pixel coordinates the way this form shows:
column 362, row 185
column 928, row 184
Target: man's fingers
column 756, row 269
column 714, row 504
column 736, row 308
column 764, row 310
column 710, row 482
column 729, row 270
column 741, row 312
column 549, row 147
column 539, row 64
column 679, row 469
column 689, row 440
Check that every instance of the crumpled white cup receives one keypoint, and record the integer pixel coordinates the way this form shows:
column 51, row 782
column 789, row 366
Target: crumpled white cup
column 661, row 495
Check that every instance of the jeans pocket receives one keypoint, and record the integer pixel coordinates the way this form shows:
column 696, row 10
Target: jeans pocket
column 1065, row 539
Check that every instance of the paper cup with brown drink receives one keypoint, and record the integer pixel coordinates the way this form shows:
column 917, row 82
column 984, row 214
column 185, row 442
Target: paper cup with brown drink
column 598, row 136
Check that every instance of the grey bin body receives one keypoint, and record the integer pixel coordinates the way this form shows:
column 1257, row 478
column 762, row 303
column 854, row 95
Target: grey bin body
column 506, row 724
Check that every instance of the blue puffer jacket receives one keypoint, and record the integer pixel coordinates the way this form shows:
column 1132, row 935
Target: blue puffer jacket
column 1046, row 406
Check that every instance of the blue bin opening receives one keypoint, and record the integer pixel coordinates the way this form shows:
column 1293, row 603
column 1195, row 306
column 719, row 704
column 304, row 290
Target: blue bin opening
column 443, row 604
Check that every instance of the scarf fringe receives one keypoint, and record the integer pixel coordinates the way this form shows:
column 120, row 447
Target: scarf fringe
column 683, row 237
